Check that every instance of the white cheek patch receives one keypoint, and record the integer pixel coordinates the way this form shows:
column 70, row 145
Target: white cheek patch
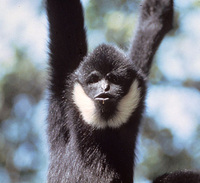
column 86, row 107
column 125, row 107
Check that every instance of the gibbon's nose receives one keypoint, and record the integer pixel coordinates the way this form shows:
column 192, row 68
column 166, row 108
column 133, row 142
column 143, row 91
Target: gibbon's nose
column 105, row 85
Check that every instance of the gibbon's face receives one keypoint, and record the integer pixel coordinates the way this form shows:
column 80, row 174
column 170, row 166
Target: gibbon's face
column 106, row 91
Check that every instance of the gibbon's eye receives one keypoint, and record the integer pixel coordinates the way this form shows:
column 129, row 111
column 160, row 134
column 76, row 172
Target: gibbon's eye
column 93, row 78
column 113, row 78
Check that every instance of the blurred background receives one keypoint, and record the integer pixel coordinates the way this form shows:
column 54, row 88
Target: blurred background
column 170, row 133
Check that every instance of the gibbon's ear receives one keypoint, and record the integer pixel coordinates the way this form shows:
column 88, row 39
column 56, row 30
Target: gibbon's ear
column 68, row 44
column 155, row 21
column 179, row 177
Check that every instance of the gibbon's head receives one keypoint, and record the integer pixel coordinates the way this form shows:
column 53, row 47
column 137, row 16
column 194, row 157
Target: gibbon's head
column 106, row 90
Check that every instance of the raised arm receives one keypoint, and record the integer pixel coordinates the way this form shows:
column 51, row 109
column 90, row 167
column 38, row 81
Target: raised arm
column 68, row 44
column 155, row 21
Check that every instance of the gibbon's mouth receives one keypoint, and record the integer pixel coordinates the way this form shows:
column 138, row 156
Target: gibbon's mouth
column 103, row 97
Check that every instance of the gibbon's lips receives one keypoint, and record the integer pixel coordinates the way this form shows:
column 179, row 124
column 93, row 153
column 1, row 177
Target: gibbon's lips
column 103, row 97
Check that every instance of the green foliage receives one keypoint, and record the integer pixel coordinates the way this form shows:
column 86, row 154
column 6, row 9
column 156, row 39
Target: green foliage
column 21, row 90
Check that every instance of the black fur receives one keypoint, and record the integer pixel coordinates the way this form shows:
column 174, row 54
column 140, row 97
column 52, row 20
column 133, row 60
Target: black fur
column 179, row 177
column 80, row 153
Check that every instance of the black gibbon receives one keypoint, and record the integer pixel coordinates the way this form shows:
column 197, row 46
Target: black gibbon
column 97, row 99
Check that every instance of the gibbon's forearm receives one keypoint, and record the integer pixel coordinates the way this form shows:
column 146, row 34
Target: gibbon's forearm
column 67, row 39
column 155, row 21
